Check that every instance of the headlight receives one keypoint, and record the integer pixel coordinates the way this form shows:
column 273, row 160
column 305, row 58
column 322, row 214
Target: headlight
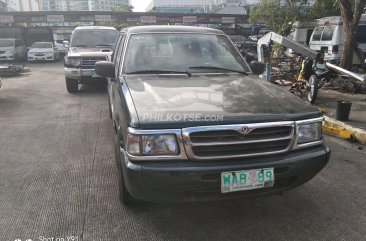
column 309, row 133
column 72, row 62
column 152, row 145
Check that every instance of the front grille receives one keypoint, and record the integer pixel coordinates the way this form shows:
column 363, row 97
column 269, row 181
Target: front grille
column 234, row 141
column 89, row 62
column 2, row 52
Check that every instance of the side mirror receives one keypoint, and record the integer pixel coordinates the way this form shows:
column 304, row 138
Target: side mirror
column 257, row 67
column 66, row 44
column 105, row 69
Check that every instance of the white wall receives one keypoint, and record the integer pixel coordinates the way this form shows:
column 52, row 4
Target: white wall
column 23, row 5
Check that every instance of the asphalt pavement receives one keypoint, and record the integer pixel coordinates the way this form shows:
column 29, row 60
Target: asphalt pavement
column 58, row 180
column 327, row 102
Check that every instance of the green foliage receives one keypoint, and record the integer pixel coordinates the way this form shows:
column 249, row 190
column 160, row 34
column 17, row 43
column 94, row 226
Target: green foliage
column 325, row 8
column 279, row 14
column 124, row 8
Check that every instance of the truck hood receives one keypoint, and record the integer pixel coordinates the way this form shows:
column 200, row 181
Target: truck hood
column 207, row 100
column 90, row 52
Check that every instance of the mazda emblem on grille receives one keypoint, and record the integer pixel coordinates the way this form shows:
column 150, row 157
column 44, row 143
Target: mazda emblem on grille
column 245, row 130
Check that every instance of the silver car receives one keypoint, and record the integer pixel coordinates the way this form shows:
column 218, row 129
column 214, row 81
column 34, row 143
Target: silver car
column 12, row 49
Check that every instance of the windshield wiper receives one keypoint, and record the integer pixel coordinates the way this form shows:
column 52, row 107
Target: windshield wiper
column 153, row 71
column 219, row 68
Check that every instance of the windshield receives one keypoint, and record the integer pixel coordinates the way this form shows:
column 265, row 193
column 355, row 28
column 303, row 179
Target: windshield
column 93, row 38
column 6, row 43
column 182, row 52
column 42, row 45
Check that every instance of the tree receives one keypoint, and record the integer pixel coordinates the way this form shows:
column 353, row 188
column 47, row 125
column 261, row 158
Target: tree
column 279, row 14
column 351, row 14
column 124, row 8
column 325, row 8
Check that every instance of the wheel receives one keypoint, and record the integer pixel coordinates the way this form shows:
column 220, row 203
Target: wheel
column 123, row 194
column 312, row 88
column 72, row 85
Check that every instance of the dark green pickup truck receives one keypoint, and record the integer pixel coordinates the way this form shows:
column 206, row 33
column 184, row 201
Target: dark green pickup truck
column 194, row 122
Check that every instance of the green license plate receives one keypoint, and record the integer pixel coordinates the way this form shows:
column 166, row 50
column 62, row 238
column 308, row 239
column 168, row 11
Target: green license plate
column 246, row 180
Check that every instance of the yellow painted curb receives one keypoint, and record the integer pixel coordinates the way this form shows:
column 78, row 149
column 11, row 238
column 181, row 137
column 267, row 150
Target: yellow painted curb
column 339, row 129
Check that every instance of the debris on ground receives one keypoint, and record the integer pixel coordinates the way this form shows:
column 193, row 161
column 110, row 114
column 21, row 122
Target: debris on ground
column 346, row 85
column 12, row 70
column 284, row 70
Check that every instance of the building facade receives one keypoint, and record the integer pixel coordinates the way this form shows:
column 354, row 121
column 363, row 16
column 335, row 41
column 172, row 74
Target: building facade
column 82, row 5
column 23, row 5
column 3, row 6
column 201, row 6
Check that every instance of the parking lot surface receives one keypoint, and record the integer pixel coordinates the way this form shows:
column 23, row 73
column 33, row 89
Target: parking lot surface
column 58, row 180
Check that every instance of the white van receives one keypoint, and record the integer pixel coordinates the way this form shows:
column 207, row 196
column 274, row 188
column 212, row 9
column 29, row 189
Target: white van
column 328, row 37
column 301, row 32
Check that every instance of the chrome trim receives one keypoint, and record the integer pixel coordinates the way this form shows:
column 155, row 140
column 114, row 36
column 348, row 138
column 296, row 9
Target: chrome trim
column 244, row 142
column 176, row 132
column 309, row 121
column 308, row 144
column 188, row 144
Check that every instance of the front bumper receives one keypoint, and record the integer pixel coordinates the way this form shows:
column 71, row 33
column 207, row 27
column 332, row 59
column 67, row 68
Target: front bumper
column 200, row 181
column 7, row 57
column 48, row 56
column 81, row 74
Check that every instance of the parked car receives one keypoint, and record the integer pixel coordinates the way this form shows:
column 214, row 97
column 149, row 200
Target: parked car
column 328, row 37
column 193, row 121
column 44, row 51
column 88, row 45
column 12, row 49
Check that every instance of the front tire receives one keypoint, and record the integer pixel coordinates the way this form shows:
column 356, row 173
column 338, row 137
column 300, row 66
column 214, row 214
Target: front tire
column 312, row 86
column 72, row 85
column 123, row 194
